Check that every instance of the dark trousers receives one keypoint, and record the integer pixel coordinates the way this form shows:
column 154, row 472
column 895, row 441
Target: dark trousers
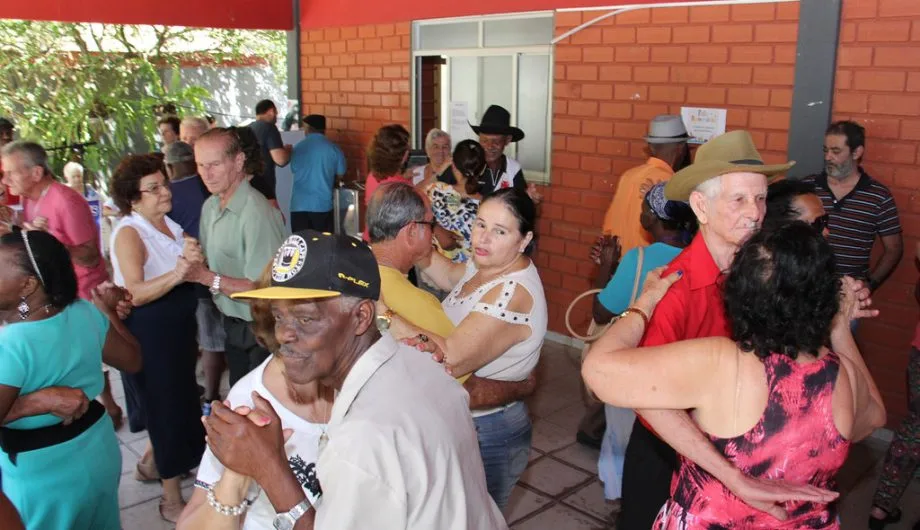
column 243, row 352
column 319, row 221
column 650, row 464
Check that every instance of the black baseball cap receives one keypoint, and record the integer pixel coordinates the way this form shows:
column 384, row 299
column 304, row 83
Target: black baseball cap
column 313, row 264
column 316, row 121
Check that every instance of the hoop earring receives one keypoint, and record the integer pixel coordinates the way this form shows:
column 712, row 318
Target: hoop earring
column 24, row 309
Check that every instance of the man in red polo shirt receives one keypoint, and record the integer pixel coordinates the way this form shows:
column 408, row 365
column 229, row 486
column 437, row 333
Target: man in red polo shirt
column 727, row 188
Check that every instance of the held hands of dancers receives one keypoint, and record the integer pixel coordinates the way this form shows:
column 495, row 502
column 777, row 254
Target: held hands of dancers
column 248, row 441
column 108, row 297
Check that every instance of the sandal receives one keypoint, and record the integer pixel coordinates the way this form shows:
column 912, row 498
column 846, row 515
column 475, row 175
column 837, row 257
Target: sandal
column 170, row 511
column 146, row 472
column 891, row 518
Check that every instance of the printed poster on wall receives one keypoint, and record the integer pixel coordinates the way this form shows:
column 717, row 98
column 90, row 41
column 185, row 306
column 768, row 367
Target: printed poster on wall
column 703, row 124
column 459, row 124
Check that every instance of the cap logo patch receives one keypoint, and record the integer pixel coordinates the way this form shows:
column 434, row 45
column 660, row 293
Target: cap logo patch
column 290, row 259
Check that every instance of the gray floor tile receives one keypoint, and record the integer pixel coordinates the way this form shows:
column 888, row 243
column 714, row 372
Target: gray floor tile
column 524, row 502
column 590, row 499
column 560, row 517
column 569, row 417
column 128, row 460
column 551, row 477
column 144, row 516
column 548, row 436
column 579, row 456
column 132, row 492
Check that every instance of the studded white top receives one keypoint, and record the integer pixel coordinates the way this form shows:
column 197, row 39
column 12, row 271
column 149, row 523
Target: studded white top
column 516, row 363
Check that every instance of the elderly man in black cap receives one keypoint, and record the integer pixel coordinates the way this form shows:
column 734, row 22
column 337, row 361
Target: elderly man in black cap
column 317, row 164
column 398, row 450
column 495, row 133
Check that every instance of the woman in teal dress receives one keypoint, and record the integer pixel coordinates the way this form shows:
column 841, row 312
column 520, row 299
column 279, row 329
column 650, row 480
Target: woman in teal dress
column 60, row 464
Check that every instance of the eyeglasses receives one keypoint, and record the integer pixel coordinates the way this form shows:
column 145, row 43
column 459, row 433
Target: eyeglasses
column 431, row 224
column 155, row 189
column 820, row 223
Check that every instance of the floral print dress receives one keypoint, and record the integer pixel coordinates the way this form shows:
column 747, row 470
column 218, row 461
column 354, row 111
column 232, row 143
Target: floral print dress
column 796, row 440
column 455, row 213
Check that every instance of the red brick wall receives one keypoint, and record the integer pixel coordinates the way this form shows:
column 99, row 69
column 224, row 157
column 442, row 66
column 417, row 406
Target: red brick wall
column 878, row 85
column 358, row 77
column 611, row 78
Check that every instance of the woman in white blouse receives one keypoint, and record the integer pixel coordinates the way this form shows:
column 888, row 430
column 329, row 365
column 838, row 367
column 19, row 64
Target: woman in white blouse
column 496, row 301
column 147, row 259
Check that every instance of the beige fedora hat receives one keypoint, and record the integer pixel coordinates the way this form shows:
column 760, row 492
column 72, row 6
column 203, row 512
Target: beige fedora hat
column 732, row 152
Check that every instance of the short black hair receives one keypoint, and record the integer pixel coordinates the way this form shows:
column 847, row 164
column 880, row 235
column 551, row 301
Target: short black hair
column 54, row 267
column 125, row 184
column 522, row 207
column 172, row 121
column 6, row 125
column 264, row 106
column 854, row 133
column 780, row 197
column 781, row 293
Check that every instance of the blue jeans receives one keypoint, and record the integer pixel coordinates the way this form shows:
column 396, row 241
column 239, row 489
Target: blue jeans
column 613, row 449
column 504, row 443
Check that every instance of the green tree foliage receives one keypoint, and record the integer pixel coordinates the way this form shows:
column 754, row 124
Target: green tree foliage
column 64, row 83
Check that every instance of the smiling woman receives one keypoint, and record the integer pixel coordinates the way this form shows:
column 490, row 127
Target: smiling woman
column 147, row 259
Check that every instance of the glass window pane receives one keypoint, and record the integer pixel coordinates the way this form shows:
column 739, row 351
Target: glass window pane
column 447, row 36
column 518, row 31
column 478, row 82
column 533, row 105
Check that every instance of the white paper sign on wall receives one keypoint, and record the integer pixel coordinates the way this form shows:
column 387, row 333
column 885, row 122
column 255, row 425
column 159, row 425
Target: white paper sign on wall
column 703, row 124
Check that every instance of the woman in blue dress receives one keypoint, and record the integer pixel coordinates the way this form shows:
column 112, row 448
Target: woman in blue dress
column 60, row 466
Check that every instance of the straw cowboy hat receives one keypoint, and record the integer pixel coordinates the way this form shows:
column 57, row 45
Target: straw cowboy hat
column 497, row 120
column 666, row 129
column 732, row 152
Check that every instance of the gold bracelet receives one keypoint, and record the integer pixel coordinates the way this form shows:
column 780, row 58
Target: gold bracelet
column 637, row 311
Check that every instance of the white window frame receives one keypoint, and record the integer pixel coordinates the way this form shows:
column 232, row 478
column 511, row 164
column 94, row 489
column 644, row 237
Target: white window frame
column 515, row 52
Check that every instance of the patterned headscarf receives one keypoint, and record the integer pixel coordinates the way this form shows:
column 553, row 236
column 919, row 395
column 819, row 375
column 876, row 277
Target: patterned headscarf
column 655, row 199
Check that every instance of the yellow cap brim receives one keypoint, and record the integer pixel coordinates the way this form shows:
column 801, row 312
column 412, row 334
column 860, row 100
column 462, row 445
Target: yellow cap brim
column 285, row 293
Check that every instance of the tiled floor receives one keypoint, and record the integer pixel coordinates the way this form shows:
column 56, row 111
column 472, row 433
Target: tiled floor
column 559, row 490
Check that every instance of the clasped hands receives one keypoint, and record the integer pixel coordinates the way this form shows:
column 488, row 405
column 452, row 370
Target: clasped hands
column 247, row 440
column 191, row 263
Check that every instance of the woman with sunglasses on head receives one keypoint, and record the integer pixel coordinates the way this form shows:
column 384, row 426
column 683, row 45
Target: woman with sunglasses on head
column 58, row 454
column 152, row 259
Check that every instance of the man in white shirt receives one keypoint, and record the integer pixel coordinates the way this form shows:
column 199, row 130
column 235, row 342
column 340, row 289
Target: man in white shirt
column 400, row 450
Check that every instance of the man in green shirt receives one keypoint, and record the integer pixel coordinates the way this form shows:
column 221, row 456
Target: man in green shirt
column 240, row 232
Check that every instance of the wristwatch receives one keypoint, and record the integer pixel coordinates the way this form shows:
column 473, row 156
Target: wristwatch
column 286, row 521
column 384, row 320
column 215, row 285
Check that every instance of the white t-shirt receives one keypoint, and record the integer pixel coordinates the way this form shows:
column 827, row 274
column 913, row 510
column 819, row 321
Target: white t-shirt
column 301, row 450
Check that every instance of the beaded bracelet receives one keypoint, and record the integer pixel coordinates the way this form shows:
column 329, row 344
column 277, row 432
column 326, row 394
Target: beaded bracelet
column 223, row 509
